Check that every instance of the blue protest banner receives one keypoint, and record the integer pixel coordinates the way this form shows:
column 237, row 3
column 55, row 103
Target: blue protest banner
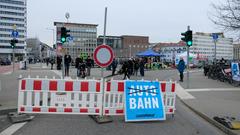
column 143, row 101
column 235, row 71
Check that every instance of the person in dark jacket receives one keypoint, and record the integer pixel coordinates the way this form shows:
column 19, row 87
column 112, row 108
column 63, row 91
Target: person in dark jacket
column 77, row 61
column 114, row 66
column 141, row 66
column 89, row 65
column 125, row 70
column 67, row 61
column 181, row 66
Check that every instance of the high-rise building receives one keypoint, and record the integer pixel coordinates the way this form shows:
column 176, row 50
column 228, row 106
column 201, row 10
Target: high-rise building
column 236, row 51
column 83, row 38
column 13, row 15
column 203, row 45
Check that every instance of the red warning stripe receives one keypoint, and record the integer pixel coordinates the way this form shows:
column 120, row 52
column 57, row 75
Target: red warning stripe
column 37, row 85
column 120, row 86
column 96, row 110
column 23, row 85
column 163, row 87
column 67, row 109
column 36, row 109
column 83, row 110
column 22, row 109
column 173, row 87
column 53, row 86
column 107, row 111
column 84, row 86
column 68, row 86
column 119, row 111
column 108, row 86
column 52, row 109
column 98, row 87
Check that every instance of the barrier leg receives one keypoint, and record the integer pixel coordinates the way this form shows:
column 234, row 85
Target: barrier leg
column 102, row 118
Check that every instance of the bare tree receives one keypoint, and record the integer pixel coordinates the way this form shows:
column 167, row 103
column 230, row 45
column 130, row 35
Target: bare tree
column 227, row 15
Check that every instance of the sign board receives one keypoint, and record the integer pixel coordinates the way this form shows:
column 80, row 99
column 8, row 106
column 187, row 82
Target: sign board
column 14, row 34
column 215, row 36
column 235, row 71
column 143, row 101
column 103, row 55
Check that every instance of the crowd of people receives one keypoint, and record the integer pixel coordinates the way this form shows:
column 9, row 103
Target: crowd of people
column 132, row 67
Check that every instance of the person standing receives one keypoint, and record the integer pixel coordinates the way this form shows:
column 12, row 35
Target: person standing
column 141, row 66
column 52, row 61
column 89, row 65
column 77, row 61
column 181, row 66
column 67, row 62
column 114, row 66
column 125, row 70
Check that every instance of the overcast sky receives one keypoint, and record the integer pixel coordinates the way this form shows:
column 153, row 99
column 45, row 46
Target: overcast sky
column 161, row 20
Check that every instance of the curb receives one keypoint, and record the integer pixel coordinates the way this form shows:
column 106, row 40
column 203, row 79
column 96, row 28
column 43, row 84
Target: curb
column 213, row 122
column 5, row 111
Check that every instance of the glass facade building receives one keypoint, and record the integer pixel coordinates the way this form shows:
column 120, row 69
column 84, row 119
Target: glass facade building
column 13, row 15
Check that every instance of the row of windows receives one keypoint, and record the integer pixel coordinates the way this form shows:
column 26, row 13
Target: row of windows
column 10, row 30
column 77, row 30
column 8, row 41
column 11, row 19
column 11, row 7
column 10, row 47
column 8, row 35
column 12, row 2
column 10, row 24
column 11, row 13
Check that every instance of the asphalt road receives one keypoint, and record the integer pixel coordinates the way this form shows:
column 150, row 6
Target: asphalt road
column 185, row 122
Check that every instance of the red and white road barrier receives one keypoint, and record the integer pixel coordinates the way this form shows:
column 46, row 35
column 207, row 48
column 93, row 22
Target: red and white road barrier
column 60, row 96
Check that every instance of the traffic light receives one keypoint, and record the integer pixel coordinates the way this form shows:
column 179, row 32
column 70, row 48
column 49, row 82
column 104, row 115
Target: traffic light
column 13, row 42
column 187, row 37
column 64, row 34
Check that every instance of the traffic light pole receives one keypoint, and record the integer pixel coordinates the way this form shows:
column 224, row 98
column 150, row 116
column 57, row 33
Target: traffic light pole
column 188, row 63
column 13, row 59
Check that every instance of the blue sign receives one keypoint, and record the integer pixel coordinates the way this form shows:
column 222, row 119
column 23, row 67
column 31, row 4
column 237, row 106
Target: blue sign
column 143, row 101
column 235, row 71
column 15, row 34
column 70, row 38
column 215, row 36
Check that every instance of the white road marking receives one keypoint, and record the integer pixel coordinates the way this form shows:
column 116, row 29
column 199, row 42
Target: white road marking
column 12, row 129
column 182, row 94
column 213, row 89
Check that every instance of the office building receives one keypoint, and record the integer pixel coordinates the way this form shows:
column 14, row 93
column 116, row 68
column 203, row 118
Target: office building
column 13, row 16
column 83, row 38
column 203, row 44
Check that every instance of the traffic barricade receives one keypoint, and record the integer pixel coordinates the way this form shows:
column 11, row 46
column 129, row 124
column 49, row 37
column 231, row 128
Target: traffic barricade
column 60, row 96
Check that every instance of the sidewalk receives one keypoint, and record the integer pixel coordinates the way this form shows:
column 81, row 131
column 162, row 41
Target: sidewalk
column 213, row 98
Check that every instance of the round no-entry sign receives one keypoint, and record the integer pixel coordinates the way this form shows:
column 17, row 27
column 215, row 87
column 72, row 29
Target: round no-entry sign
column 103, row 55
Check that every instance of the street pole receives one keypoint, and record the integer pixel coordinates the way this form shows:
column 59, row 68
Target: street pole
column 104, row 34
column 215, row 51
column 13, row 59
column 41, row 55
column 63, row 63
column 188, row 63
